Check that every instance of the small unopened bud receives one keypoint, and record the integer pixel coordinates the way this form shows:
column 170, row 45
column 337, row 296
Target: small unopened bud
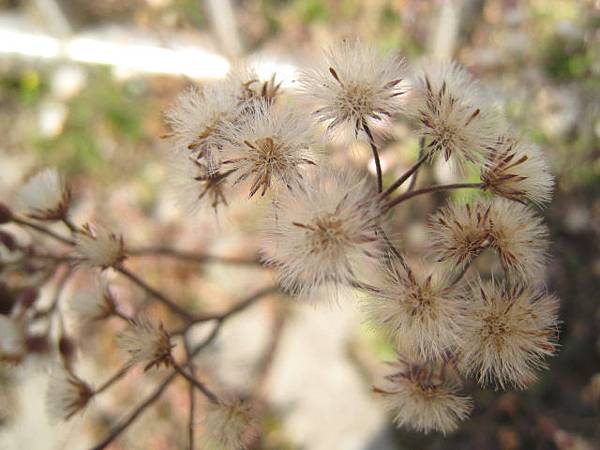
column 5, row 214
column 8, row 241
column 37, row 344
column 28, row 297
column 66, row 347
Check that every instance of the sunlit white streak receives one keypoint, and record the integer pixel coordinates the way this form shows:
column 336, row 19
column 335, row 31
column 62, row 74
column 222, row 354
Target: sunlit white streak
column 189, row 61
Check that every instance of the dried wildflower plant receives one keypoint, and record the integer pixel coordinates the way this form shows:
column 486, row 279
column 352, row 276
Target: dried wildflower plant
column 326, row 235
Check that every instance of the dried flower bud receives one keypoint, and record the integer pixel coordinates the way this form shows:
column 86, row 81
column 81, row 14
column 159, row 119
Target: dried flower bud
column 508, row 332
column 45, row 196
column 424, row 398
column 269, row 147
column 322, row 237
column 5, row 214
column 518, row 172
column 229, row 425
column 12, row 340
column 146, row 344
column 94, row 304
column 99, row 247
column 354, row 86
column 445, row 104
column 67, row 395
column 421, row 313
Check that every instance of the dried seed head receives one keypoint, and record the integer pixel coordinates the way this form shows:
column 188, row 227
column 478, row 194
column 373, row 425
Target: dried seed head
column 517, row 171
column 460, row 232
column 251, row 87
column 45, row 196
column 99, row 247
column 67, row 395
column 322, row 237
column 229, row 425
column 354, row 86
column 195, row 186
column 269, row 147
column 145, row 343
column 424, row 398
column 94, row 304
column 508, row 332
column 445, row 105
column 196, row 118
column 421, row 313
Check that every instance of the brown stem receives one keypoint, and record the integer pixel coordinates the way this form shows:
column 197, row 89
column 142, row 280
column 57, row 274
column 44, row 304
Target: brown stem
column 156, row 294
column 375, row 156
column 191, row 256
column 42, row 229
column 427, row 190
column 192, row 397
column 210, row 395
column 112, row 380
column 400, row 181
column 413, row 180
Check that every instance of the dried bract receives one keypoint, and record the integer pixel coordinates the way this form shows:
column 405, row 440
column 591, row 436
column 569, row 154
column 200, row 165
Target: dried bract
column 67, row 395
column 99, row 247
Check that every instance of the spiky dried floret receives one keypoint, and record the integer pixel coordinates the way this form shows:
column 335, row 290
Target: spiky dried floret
column 45, row 196
column 421, row 311
column 229, row 425
column 517, row 171
column 269, row 147
column 251, row 87
column 197, row 117
column 324, row 235
column 99, row 247
column 354, row 86
column 445, row 104
column 194, row 185
column 460, row 232
column 425, row 397
column 146, row 343
column 67, row 395
column 508, row 333
column 93, row 304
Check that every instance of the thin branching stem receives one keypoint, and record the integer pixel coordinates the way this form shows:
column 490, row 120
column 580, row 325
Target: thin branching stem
column 154, row 293
column 112, row 380
column 400, row 181
column 413, row 180
column 194, row 257
column 375, row 151
column 430, row 189
column 42, row 229
column 210, row 395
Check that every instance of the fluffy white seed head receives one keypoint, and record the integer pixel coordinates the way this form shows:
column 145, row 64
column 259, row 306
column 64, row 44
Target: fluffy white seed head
column 269, row 147
column 229, row 425
column 146, row 343
column 509, row 332
column 445, row 104
column 324, row 236
column 251, row 87
column 195, row 186
column 45, row 196
column 197, row 116
column 12, row 340
column 99, row 247
column 94, row 304
column 424, row 398
column 460, row 232
column 517, row 171
column 354, row 86
column 67, row 395
column 420, row 311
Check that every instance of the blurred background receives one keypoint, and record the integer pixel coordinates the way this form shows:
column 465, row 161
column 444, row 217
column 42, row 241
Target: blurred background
column 83, row 86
